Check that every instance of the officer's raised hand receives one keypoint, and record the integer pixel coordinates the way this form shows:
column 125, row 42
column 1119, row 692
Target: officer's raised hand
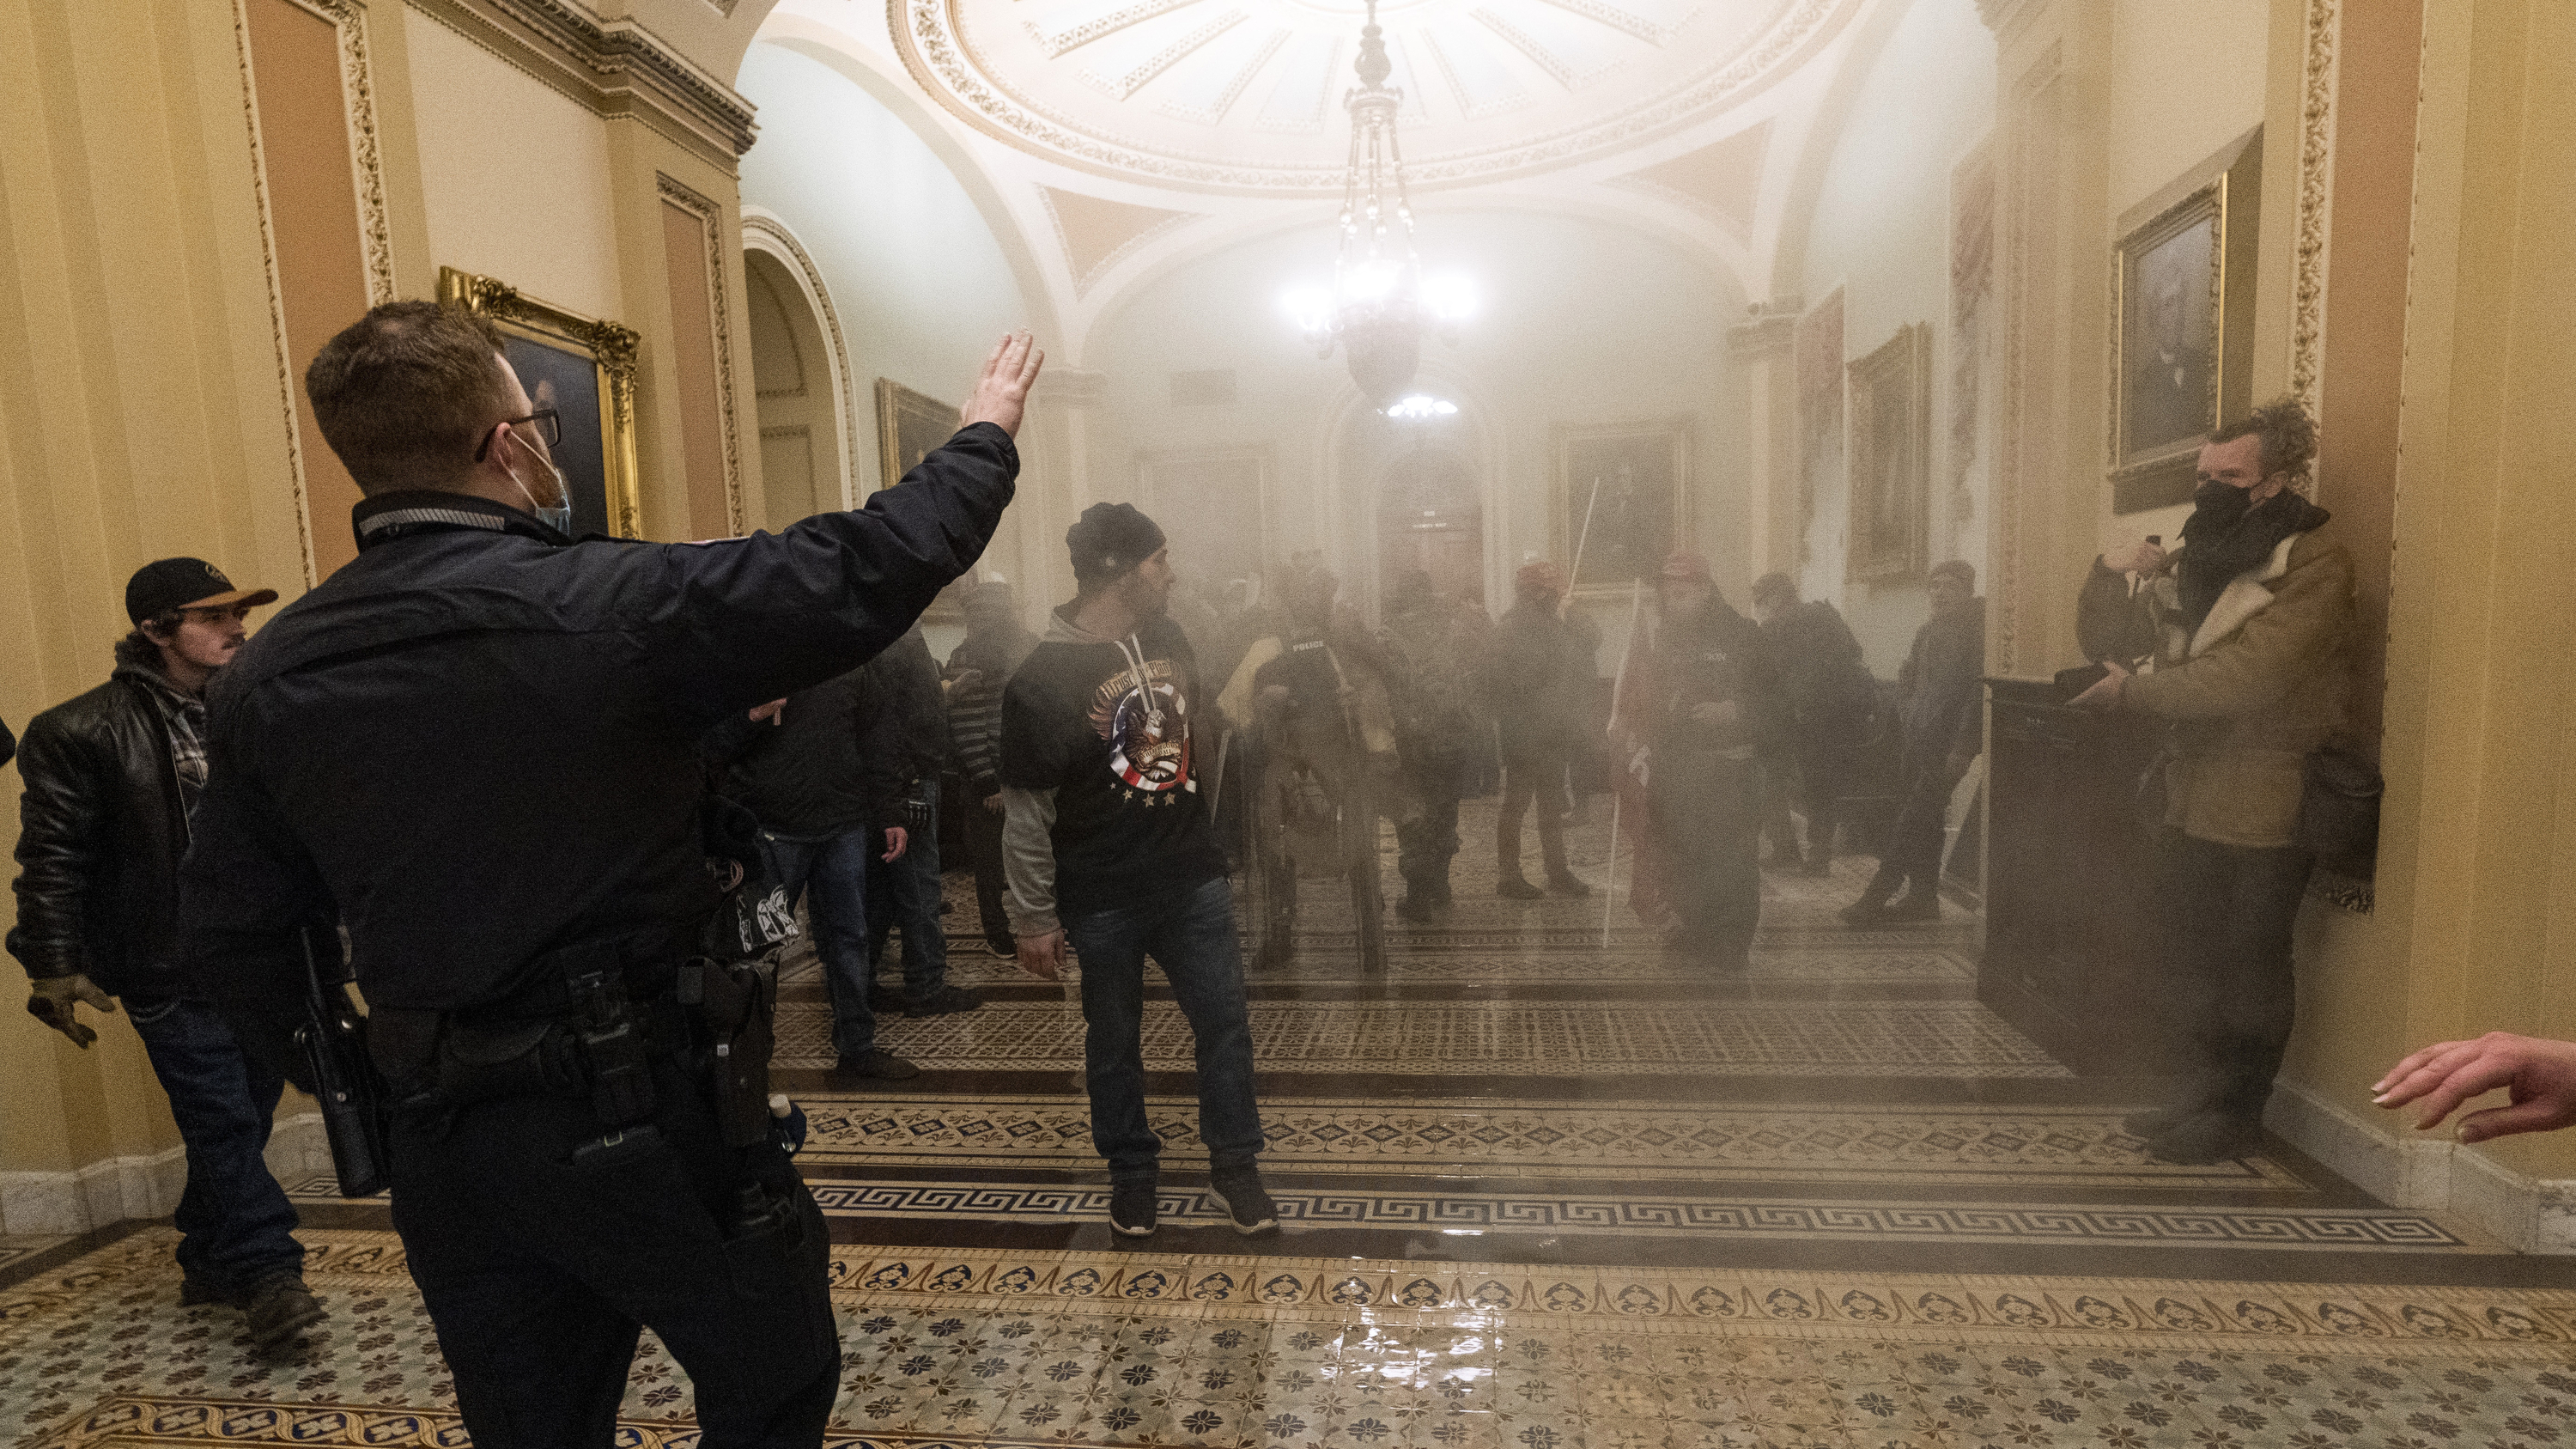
column 1002, row 394
column 50, row 1000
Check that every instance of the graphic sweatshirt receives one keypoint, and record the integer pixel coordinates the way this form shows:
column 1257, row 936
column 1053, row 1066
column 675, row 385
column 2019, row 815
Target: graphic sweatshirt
column 1099, row 774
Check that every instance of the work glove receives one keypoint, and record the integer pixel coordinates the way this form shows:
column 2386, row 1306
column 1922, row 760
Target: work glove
column 51, row 999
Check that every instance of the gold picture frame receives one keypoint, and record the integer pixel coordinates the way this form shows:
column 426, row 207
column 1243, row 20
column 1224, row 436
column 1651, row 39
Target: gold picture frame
column 1644, row 511
column 586, row 369
column 1889, row 447
column 910, row 425
column 2182, row 325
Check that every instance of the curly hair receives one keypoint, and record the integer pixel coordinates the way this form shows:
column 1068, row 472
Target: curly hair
column 2288, row 434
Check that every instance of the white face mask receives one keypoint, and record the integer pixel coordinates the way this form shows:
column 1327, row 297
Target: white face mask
column 558, row 516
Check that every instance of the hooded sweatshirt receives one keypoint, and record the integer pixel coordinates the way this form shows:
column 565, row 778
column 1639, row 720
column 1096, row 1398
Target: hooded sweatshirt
column 1099, row 774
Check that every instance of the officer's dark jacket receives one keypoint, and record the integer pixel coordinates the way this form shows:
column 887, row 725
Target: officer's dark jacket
column 100, row 831
column 477, row 744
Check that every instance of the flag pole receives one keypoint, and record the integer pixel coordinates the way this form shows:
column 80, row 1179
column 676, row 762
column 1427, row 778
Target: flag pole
column 1580, row 539
column 1618, row 683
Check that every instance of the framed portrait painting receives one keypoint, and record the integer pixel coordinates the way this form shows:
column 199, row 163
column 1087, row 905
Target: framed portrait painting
column 1890, row 449
column 584, row 369
column 1622, row 499
column 2182, row 327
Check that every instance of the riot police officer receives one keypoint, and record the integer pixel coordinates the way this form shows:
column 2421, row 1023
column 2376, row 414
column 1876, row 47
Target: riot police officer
column 473, row 748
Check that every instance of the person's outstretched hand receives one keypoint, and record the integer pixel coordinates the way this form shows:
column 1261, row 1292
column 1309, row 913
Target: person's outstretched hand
column 2539, row 1075
column 1002, row 394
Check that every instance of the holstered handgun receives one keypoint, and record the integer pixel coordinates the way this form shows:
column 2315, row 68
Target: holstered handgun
column 735, row 1003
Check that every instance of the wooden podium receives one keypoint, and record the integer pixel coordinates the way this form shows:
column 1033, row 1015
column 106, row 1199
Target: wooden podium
column 2070, row 945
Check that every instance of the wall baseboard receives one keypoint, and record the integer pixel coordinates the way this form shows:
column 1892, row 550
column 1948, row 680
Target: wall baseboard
column 2529, row 1214
column 116, row 1189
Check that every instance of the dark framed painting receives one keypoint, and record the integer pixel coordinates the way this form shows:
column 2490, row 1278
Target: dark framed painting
column 1622, row 500
column 582, row 367
column 2182, row 328
column 1890, row 449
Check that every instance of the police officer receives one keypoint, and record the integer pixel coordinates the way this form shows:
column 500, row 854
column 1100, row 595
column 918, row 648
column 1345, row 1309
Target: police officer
column 473, row 746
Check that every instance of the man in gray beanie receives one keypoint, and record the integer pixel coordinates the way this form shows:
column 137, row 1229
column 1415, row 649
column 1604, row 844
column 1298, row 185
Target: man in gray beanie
column 1107, row 841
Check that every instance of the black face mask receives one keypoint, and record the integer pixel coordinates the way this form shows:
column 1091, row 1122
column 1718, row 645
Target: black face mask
column 2216, row 508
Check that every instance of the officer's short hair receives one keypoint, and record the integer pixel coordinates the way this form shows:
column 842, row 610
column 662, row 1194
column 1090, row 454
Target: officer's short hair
column 402, row 393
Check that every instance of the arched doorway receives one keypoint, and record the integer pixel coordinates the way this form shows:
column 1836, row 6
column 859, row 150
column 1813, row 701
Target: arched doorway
column 1431, row 516
column 796, row 376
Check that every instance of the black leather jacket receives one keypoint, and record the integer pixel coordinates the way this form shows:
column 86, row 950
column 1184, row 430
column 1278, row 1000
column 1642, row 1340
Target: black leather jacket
column 100, row 833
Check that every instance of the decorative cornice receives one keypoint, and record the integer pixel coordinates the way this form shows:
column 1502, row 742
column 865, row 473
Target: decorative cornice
column 2002, row 15
column 614, row 68
column 1070, row 387
column 1773, row 332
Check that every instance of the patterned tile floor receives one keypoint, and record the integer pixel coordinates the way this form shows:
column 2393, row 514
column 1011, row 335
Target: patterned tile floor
column 1483, row 1039
column 1539, row 1195
column 967, row 1347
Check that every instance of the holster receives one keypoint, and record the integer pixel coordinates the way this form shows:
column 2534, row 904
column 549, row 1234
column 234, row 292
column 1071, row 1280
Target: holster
column 734, row 1004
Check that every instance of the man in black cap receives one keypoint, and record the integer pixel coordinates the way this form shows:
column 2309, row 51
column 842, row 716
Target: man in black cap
column 1108, row 842
column 111, row 779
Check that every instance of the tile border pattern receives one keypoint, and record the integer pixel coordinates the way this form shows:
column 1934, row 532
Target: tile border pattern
column 1702, row 1219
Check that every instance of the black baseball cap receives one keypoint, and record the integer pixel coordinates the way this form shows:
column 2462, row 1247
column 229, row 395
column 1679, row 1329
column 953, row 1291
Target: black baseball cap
column 184, row 583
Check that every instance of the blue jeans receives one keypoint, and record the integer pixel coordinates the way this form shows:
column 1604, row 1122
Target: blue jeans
column 832, row 875
column 235, row 1224
column 906, row 893
column 1191, row 936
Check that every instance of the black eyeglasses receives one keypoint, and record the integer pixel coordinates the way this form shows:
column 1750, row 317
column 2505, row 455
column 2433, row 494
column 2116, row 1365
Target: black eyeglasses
column 548, row 426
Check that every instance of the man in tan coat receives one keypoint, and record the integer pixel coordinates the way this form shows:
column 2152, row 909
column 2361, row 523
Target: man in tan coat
column 2241, row 639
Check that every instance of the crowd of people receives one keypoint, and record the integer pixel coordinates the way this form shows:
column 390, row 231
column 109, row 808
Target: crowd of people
column 481, row 767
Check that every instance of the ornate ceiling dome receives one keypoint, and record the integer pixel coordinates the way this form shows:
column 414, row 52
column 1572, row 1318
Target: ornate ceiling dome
column 1246, row 95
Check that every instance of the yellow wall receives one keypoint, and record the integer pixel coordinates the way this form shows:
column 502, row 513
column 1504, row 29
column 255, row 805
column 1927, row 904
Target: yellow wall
column 148, row 404
column 141, row 415
column 2476, row 925
column 515, row 174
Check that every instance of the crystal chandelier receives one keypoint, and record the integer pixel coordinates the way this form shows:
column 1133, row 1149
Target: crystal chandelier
column 1380, row 301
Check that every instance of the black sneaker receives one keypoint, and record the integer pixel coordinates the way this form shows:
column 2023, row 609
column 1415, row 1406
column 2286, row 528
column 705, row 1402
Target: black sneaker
column 279, row 1310
column 1131, row 1206
column 194, row 1290
column 878, row 1063
column 1246, row 1201
column 1568, row 885
column 945, row 1001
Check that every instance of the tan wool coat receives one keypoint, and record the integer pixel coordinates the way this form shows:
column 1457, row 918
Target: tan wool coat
column 2260, row 684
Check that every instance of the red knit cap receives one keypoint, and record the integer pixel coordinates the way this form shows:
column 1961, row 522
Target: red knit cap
column 1684, row 567
column 1541, row 573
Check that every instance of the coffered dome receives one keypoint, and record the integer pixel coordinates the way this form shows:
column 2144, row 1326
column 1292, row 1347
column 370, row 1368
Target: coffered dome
column 1246, row 95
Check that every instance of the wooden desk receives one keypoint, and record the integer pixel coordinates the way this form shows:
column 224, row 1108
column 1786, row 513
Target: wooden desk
column 2070, row 954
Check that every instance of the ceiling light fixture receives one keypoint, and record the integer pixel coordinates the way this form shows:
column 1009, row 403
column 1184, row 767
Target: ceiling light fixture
column 1421, row 405
column 1380, row 301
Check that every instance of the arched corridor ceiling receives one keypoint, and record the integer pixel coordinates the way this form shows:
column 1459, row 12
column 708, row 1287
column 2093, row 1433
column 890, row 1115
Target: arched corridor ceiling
column 1246, row 95
column 1125, row 137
